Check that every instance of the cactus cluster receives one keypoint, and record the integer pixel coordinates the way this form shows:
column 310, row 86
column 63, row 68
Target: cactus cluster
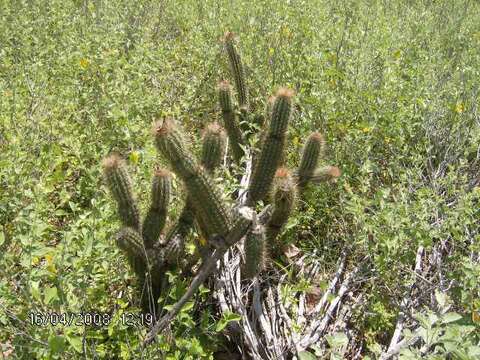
column 151, row 247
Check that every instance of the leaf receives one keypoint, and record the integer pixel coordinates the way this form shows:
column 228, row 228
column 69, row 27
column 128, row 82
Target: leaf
column 227, row 318
column 305, row 355
column 450, row 317
column 76, row 343
column 56, row 344
column 50, row 294
column 441, row 298
column 337, row 340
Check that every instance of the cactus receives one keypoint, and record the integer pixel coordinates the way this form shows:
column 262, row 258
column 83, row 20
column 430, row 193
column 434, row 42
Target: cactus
column 312, row 152
column 203, row 191
column 151, row 251
column 255, row 252
column 236, row 68
column 284, row 196
column 230, row 121
column 120, row 185
column 157, row 214
column 273, row 144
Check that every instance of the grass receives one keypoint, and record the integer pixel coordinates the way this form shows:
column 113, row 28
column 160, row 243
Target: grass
column 392, row 85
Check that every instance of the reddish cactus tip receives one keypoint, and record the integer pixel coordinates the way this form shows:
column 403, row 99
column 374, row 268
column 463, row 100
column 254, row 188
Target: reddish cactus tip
column 228, row 36
column 112, row 161
column 162, row 127
column 317, row 136
column 334, row 171
column 271, row 100
column 282, row 173
column 224, row 85
column 214, row 128
column 160, row 172
column 285, row 93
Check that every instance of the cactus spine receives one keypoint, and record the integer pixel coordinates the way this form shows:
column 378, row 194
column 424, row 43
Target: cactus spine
column 271, row 153
column 157, row 214
column 284, row 196
column 230, row 121
column 202, row 190
column 313, row 150
column 120, row 185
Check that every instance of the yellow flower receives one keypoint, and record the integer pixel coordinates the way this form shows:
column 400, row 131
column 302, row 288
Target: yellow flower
column 387, row 139
column 35, row 260
column 84, row 63
column 50, row 264
column 134, row 157
column 366, row 130
column 459, row 108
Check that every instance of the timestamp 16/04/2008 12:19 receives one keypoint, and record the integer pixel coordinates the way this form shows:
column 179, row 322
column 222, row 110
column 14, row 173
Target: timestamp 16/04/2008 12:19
column 88, row 319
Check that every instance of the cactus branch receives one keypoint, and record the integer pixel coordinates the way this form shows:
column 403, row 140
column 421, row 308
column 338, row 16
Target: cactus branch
column 157, row 214
column 206, row 197
column 271, row 153
column 283, row 199
column 236, row 69
column 230, row 121
column 120, row 185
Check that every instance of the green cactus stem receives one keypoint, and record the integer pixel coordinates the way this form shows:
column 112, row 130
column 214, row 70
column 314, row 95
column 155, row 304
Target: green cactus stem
column 230, row 121
column 271, row 153
column 236, row 69
column 284, row 197
column 203, row 191
column 157, row 214
column 120, row 185
column 255, row 253
column 213, row 147
column 130, row 241
column 313, row 150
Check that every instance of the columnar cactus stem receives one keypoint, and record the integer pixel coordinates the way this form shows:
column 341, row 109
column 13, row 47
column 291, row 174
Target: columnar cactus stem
column 130, row 241
column 213, row 147
column 120, row 185
column 202, row 190
column 157, row 214
column 236, row 68
column 271, row 153
column 254, row 252
column 230, row 121
column 313, row 150
column 283, row 199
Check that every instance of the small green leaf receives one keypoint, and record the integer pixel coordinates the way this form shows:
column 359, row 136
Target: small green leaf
column 450, row 317
column 76, row 343
column 337, row 340
column 305, row 355
column 56, row 344
column 34, row 290
column 50, row 294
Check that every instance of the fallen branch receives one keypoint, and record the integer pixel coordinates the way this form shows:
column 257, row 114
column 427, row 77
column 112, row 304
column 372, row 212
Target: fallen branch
column 247, row 216
column 394, row 346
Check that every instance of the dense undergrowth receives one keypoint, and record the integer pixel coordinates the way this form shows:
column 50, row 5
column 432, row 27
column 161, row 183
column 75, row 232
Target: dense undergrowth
column 394, row 86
